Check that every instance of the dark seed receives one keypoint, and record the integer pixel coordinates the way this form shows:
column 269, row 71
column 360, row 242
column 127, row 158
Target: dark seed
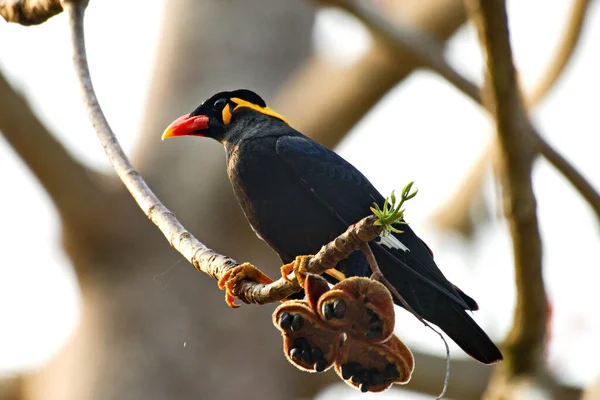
column 306, row 357
column 375, row 377
column 339, row 308
column 296, row 354
column 376, row 324
column 363, row 376
column 364, row 387
column 390, row 372
column 373, row 332
column 320, row 365
column 301, row 343
column 297, row 323
column 317, row 354
column 350, row 369
column 328, row 311
column 285, row 322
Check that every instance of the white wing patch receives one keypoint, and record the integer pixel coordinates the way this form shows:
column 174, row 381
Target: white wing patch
column 392, row 242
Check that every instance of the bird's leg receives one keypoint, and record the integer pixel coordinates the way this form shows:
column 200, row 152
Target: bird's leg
column 299, row 267
column 245, row 271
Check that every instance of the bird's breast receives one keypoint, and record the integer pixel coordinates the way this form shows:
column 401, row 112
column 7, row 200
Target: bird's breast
column 281, row 210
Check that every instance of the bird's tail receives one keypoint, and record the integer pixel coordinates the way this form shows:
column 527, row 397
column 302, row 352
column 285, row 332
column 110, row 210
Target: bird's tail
column 465, row 332
column 440, row 303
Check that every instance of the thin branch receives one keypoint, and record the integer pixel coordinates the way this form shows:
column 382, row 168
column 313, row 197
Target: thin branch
column 427, row 51
column 29, row 12
column 203, row 258
column 195, row 252
column 582, row 185
column 457, row 213
column 562, row 55
column 340, row 97
column 71, row 186
column 525, row 342
column 454, row 214
column 340, row 248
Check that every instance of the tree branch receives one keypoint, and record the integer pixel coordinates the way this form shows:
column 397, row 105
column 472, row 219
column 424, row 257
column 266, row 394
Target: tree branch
column 72, row 187
column 427, row 51
column 29, row 12
column 454, row 214
column 524, row 346
column 340, row 97
column 563, row 54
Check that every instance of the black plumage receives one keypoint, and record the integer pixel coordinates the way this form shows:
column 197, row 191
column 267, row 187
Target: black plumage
column 298, row 195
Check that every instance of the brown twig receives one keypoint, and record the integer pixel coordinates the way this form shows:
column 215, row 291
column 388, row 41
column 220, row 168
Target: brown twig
column 524, row 344
column 427, row 51
column 340, row 97
column 29, row 12
column 454, row 214
column 562, row 55
column 340, row 248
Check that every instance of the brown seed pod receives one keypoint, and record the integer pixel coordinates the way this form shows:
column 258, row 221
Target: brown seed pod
column 361, row 307
column 374, row 367
column 308, row 343
column 314, row 287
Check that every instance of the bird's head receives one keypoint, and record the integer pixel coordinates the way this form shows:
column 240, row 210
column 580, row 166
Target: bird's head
column 217, row 114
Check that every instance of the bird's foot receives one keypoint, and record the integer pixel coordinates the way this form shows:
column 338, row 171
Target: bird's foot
column 242, row 272
column 299, row 267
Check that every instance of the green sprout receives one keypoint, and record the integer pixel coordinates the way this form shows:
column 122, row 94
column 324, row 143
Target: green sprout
column 392, row 212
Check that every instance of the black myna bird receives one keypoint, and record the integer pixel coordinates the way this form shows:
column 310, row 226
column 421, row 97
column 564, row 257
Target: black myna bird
column 298, row 195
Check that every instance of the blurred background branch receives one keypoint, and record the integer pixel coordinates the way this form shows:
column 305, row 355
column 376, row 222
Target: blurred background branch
column 427, row 51
column 340, row 97
column 55, row 168
column 524, row 346
column 458, row 214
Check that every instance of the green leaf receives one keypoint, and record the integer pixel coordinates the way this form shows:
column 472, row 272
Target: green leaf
column 392, row 213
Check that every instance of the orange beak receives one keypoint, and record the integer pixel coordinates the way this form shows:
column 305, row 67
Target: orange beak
column 186, row 125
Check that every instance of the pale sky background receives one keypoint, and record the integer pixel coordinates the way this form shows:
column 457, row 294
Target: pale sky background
column 438, row 132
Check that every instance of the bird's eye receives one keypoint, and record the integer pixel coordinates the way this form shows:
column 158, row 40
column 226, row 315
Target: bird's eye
column 220, row 104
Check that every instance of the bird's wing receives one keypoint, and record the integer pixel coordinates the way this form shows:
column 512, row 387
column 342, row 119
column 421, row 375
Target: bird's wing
column 348, row 194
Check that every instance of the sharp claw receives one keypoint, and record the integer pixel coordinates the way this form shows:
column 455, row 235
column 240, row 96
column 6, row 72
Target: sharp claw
column 230, row 299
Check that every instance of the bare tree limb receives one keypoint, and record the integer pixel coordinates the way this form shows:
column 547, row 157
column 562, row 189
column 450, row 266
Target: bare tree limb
column 340, row 97
column 340, row 248
column 465, row 206
column 454, row 214
column 582, row 185
column 562, row 55
column 29, row 12
column 12, row 388
column 524, row 346
column 427, row 51
column 72, row 187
